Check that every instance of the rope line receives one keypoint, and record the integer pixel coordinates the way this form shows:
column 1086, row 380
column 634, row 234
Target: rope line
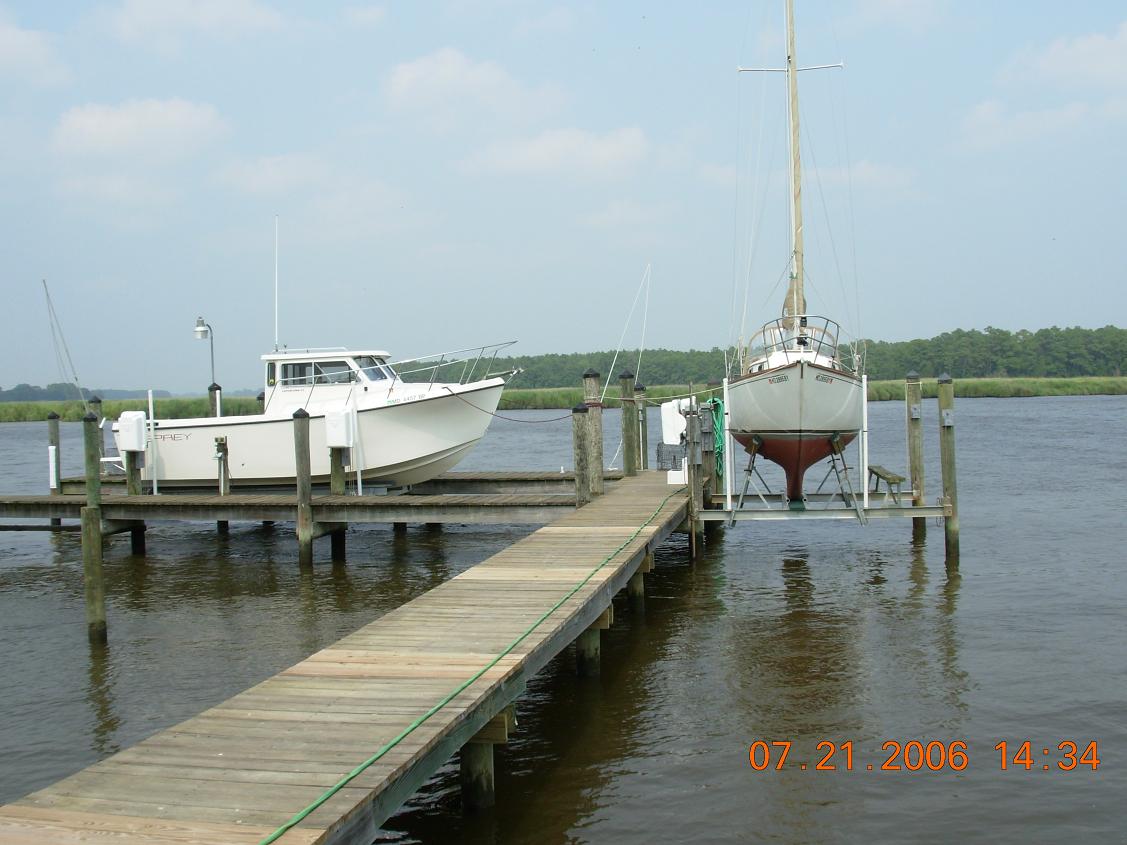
column 348, row 778
column 502, row 416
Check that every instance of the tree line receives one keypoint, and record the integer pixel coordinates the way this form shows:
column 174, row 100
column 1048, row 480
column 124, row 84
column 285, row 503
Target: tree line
column 1046, row 353
column 64, row 392
column 992, row 352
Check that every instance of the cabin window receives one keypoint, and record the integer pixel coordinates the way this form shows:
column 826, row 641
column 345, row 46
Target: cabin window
column 270, row 377
column 332, row 372
column 374, row 368
column 293, row 374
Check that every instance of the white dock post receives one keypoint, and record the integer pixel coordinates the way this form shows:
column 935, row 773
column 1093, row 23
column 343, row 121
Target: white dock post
column 865, row 440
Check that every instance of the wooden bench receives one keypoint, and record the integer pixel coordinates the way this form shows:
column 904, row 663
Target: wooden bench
column 878, row 473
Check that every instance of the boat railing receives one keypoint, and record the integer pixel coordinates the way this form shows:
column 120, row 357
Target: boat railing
column 796, row 337
column 466, row 362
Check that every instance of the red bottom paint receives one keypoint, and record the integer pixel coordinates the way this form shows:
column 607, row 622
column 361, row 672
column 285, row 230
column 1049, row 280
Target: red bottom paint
column 795, row 453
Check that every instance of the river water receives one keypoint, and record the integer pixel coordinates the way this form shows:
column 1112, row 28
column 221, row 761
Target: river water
column 804, row 633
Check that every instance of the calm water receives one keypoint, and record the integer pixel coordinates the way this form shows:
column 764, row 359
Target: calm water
column 801, row 633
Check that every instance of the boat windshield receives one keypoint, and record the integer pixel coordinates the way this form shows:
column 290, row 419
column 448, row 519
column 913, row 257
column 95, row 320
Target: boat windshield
column 374, row 368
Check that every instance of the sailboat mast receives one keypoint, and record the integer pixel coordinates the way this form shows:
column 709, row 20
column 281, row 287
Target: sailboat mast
column 795, row 303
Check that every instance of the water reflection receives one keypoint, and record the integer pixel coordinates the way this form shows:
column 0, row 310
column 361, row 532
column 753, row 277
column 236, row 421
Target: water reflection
column 99, row 695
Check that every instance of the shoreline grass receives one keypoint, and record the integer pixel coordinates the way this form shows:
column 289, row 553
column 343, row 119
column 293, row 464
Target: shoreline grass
column 879, row 391
column 554, row 398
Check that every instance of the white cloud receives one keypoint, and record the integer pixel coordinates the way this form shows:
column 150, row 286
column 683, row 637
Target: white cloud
column 365, row 15
column 991, row 124
column 27, row 56
column 569, row 151
column 628, row 214
column 1085, row 60
column 163, row 22
column 276, row 174
column 146, row 130
column 447, row 86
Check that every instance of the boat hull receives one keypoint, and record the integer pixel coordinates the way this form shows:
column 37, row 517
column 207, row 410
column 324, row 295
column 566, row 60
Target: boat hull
column 791, row 414
column 398, row 443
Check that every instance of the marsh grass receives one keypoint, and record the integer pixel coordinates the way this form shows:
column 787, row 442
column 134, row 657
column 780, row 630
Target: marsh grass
column 568, row 397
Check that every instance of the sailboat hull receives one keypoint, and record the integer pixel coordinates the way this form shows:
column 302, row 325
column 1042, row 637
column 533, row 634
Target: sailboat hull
column 791, row 414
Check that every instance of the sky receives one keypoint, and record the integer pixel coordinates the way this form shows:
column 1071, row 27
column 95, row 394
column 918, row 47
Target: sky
column 460, row 172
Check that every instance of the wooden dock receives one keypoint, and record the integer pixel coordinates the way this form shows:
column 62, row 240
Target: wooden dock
column 480, row 482
column 509, row 508
column 327, row 750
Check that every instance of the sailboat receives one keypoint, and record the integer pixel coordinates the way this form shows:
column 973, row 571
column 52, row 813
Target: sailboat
column 795, row 400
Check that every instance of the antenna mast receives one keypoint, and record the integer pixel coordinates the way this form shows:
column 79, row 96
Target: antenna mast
column 275, row 282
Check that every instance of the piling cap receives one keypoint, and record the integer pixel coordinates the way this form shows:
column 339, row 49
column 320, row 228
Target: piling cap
column 944, row 378
column 591, row 373
column 300, row 414
column 95, row 400
column 912, row 376
column 639, row 387
column 579, row 409
column 626, row 374
column 52, row 416
column 213, row 388
column 90, row 417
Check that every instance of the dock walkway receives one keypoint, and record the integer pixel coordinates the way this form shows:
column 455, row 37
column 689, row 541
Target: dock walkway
column 401, row 695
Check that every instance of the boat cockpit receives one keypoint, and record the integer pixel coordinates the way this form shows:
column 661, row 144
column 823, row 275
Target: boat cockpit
column 790, row 339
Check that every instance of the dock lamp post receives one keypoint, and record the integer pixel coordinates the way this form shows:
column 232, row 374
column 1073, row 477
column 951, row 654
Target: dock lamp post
column 214, row 391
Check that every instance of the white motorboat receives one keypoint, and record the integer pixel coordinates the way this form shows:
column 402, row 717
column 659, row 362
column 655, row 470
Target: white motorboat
column 407, row 426
column 795, row 399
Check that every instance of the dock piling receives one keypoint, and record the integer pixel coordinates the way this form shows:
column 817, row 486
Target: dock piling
column 588, row 649
column 913, row 411
column 947, row 465
column 592, row 398
column 636, row 588
column 91, row 516
column 132, row 462
column 476, row 760
column 304, row 487
column 476, row 765
column 643, row 426
column 223, row 469
column 629, row 424
column 54, row 459
column 581, row 440
column 336, row 487
column 96, row 408
column 695, row 478
column 215, row 400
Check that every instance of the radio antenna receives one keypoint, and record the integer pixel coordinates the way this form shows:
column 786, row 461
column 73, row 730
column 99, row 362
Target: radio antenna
column 275, row 282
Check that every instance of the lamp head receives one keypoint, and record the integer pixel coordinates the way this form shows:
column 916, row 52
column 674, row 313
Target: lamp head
column 202, row 330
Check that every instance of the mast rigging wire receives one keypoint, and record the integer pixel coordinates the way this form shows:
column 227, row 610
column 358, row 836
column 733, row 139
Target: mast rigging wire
column 60, row 343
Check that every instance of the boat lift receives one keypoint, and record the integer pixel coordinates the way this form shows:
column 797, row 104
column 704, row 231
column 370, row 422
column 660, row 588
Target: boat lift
column 754, row 500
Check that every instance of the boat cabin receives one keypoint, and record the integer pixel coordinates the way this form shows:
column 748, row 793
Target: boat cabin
column 316, row 379
column 307, row 367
